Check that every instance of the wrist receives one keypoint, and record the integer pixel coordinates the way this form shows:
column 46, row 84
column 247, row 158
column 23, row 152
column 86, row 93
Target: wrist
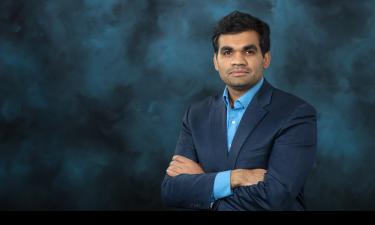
column 234, row 178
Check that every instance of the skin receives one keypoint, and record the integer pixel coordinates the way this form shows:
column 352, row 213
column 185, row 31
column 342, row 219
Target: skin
column 240, row 64
column 239, row 177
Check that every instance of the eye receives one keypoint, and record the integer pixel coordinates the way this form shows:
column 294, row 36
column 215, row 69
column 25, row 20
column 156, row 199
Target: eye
column 250, row 52
column 227, row 52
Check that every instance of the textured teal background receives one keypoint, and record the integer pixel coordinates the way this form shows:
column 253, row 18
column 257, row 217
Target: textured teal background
column 92, row 94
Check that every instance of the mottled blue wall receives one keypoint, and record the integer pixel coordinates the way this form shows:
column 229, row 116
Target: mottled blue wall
column 92, row 93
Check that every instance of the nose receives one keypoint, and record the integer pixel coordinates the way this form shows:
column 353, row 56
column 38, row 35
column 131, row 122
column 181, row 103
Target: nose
column 238, row 59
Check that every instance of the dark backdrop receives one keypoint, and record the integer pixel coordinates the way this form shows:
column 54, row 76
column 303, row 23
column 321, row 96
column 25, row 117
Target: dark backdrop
column 92, row 94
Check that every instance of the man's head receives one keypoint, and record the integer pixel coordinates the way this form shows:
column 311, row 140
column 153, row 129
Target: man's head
column 237, row 22
column 242, row 50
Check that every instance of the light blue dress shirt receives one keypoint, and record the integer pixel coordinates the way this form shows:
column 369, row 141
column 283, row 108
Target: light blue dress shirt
column 222, row 180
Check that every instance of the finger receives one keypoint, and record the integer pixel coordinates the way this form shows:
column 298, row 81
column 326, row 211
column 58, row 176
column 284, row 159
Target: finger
column 171, row 173
column 258, row 171
column 261, row 171
column 180, row 158
column 175, row 170
column 176, row 164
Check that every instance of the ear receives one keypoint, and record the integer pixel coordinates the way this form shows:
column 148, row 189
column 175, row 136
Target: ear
column 267, row 60
column 215, row 62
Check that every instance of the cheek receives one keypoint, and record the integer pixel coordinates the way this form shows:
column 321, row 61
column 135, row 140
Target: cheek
column 256, row 64
column 221, row 67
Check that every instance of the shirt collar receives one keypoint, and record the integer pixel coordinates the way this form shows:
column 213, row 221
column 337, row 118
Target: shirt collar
column 245, row 99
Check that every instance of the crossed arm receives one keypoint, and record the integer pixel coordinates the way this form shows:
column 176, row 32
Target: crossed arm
column 187, row 185
column 239, row 177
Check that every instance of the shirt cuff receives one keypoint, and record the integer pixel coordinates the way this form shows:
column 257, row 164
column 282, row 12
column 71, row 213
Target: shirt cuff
column 222, row 185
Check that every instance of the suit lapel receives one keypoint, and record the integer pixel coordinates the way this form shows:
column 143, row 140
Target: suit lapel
column 218, row 128
column 252, row 116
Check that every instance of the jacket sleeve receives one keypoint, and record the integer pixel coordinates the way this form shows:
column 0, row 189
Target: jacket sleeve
column 193, row 191
column 290, row 162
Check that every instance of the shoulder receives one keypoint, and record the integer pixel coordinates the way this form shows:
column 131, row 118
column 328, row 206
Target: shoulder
column 205, row 104
column 284, row 101
column 199, row 111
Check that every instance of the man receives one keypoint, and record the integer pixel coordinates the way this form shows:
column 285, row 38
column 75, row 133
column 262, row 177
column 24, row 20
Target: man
column 250, row 148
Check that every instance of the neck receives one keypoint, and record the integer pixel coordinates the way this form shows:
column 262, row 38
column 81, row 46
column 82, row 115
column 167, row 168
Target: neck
column 234, row 95
column 236, row 92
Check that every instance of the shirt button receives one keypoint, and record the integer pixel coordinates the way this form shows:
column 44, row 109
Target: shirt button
column 233, row 122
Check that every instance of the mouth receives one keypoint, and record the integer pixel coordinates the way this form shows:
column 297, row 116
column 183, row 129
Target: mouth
column 238, row 73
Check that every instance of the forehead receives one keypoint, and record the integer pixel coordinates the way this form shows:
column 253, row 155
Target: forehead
column 239, row 40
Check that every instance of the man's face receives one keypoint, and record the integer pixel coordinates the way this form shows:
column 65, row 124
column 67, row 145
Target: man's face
column 239, row 60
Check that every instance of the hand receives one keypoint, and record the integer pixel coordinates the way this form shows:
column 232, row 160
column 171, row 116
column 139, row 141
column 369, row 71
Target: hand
column 246, row 177
column 182, row 165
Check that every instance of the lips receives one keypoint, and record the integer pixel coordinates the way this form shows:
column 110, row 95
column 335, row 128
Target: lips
column 238, row 73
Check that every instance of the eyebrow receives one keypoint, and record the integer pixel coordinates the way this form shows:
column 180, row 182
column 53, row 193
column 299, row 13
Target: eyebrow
column 226, row 48
column 245, row 48
column 250, row 47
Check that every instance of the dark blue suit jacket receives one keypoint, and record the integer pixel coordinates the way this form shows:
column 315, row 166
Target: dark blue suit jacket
column 277, row 132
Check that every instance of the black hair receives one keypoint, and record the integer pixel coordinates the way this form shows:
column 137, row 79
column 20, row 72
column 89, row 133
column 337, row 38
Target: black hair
column 237, row 22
